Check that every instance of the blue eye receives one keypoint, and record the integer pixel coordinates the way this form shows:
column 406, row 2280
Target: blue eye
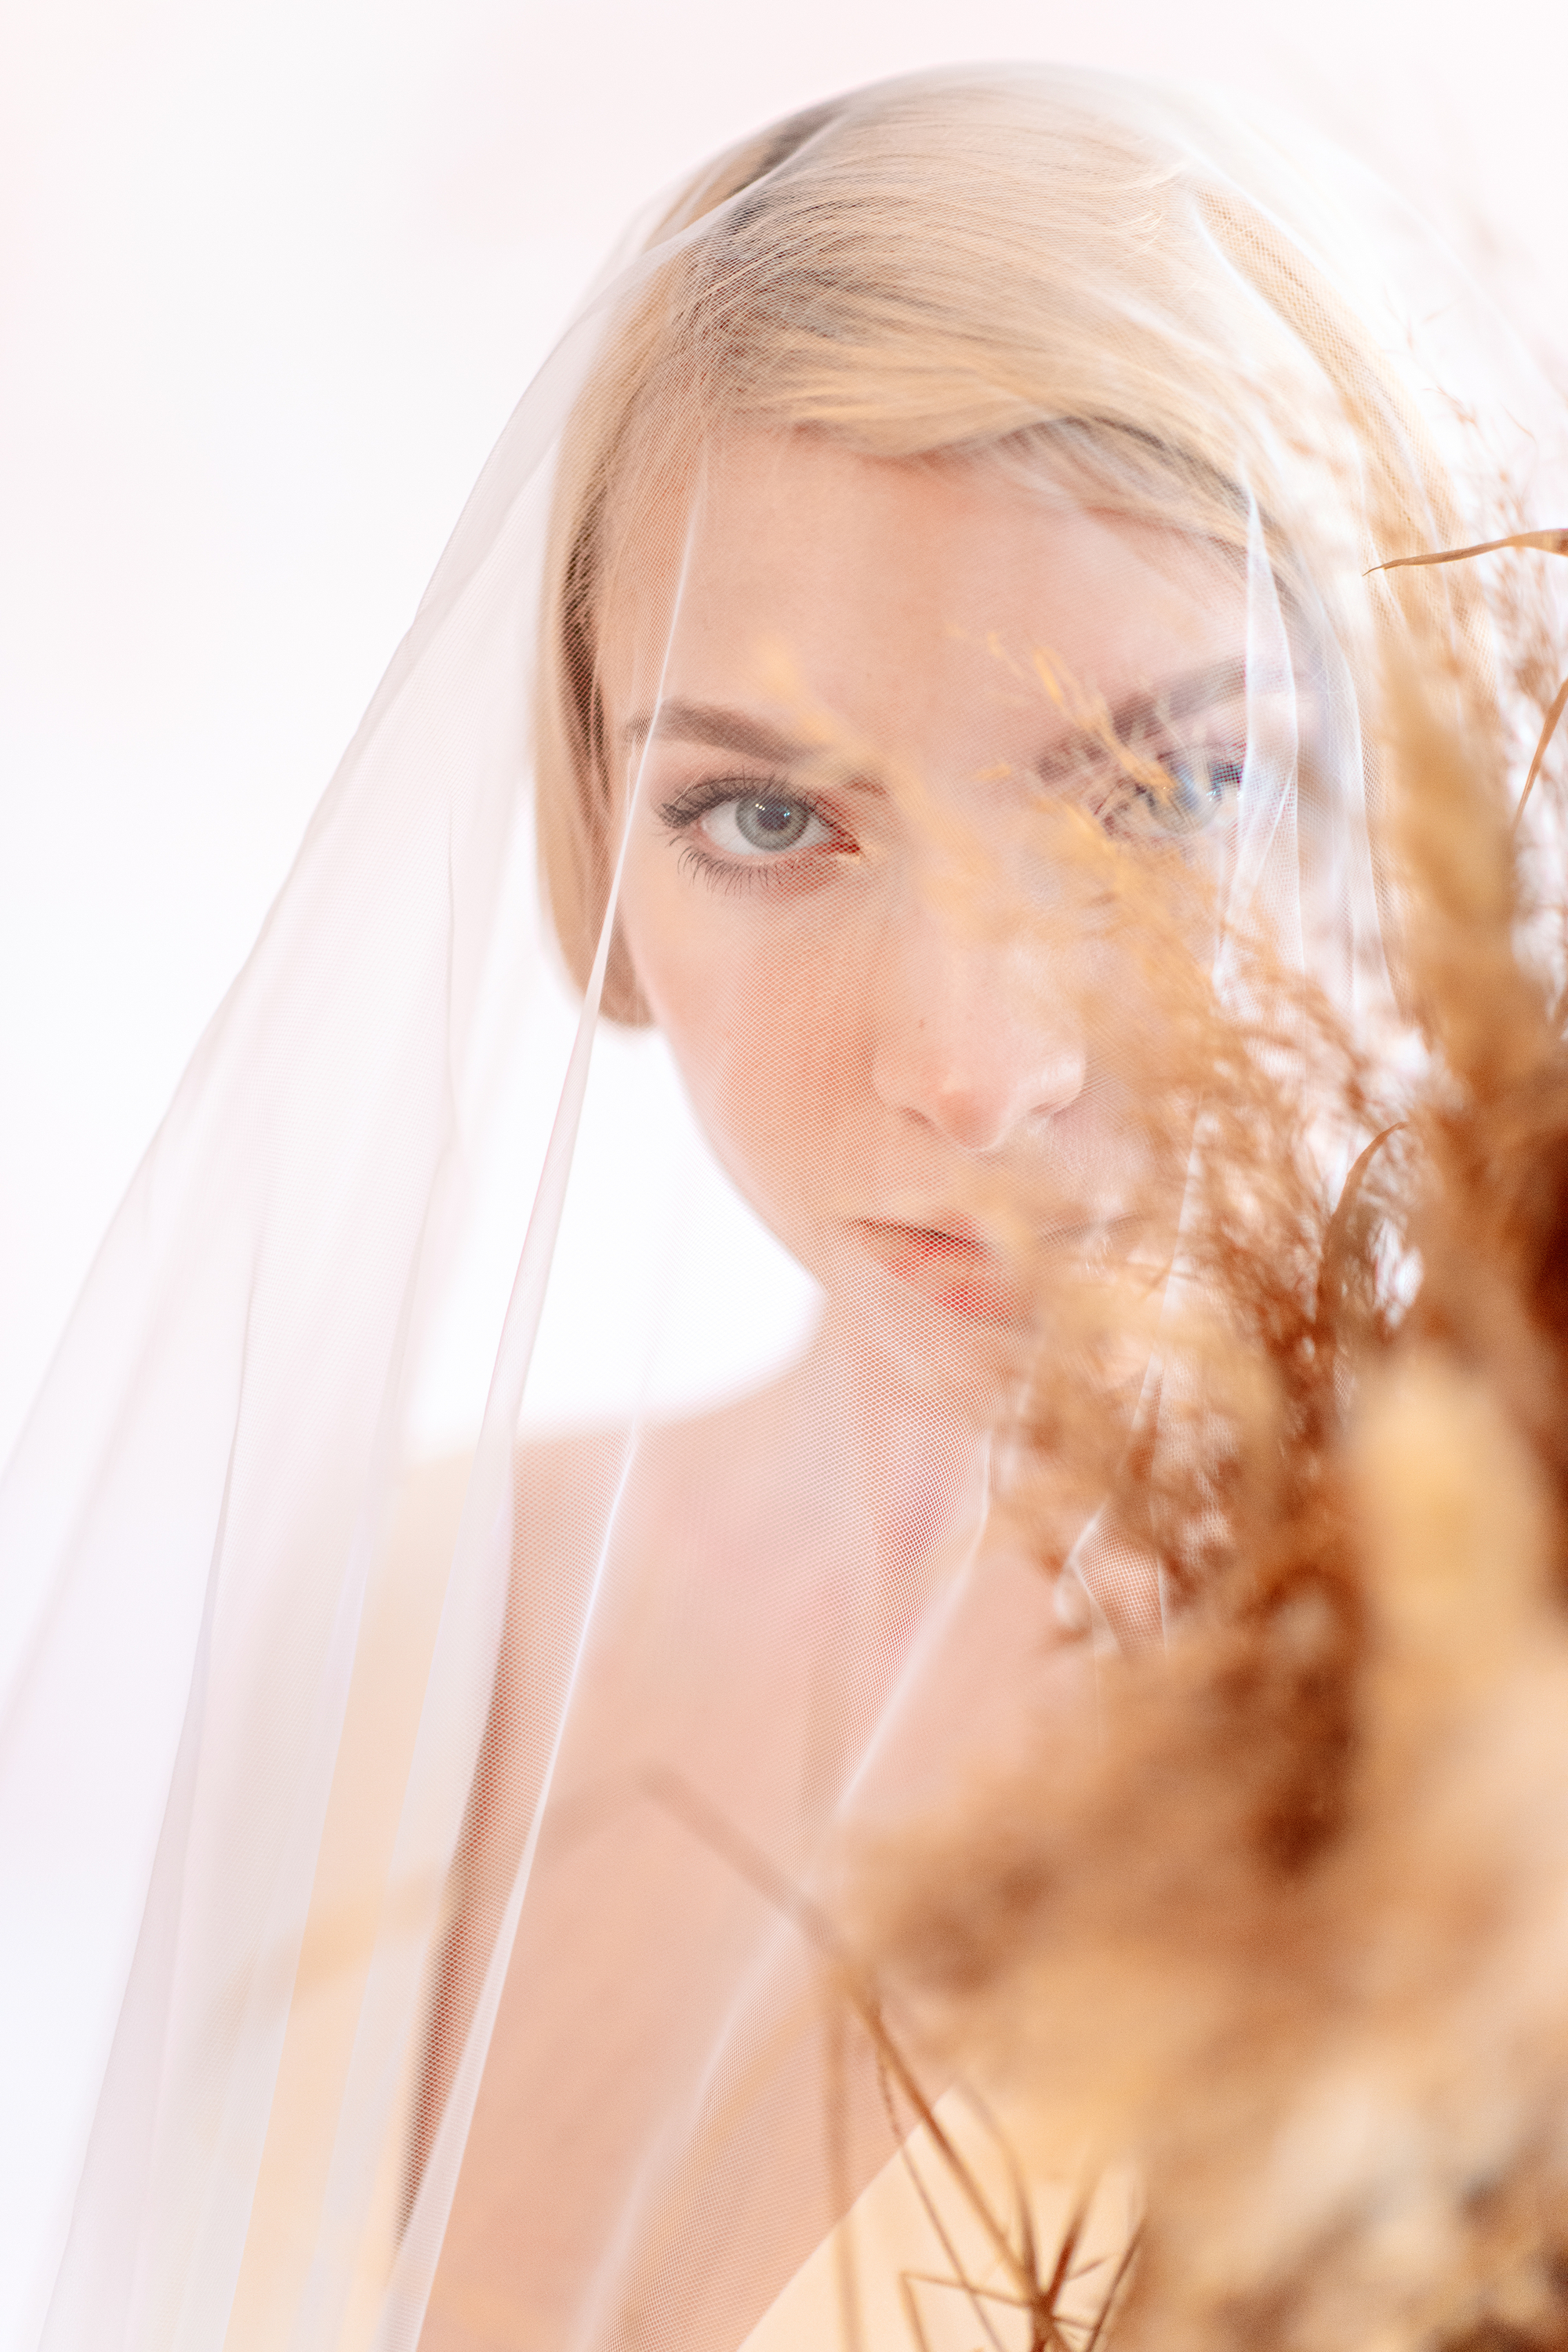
column 1204, row 782
column 769, row 822
column 772, row 823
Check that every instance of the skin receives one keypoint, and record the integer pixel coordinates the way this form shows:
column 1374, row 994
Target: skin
column 900, row 1071
column 895, row 1031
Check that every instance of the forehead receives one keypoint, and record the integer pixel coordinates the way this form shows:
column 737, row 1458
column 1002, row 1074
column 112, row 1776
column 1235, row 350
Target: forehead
column 898, row 597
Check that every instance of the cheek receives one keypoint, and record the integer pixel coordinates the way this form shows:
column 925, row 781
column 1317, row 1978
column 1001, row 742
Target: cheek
column 761, row 1030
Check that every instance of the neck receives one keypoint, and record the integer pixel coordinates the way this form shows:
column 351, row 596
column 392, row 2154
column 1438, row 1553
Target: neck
column 914, row 1453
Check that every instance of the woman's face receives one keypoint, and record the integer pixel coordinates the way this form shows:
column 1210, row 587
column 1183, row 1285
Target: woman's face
column 879, row 841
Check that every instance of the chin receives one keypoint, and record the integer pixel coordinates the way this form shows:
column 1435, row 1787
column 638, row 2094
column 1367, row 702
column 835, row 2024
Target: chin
column 954, row 1343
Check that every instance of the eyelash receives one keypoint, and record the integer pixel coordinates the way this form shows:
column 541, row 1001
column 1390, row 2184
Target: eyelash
column 1114, row 792
column 682, row 815
column 1120, row 795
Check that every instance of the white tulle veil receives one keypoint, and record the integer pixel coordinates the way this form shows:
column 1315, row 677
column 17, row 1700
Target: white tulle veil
column 418, row 1194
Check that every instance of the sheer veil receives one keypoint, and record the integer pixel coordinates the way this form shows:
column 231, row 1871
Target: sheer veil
column 400, row 1851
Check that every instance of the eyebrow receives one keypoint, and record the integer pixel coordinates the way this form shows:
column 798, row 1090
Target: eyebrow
column 1174, row 698
column 723, row 728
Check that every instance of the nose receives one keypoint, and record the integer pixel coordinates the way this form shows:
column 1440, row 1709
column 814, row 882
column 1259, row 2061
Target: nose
column 971, row 1035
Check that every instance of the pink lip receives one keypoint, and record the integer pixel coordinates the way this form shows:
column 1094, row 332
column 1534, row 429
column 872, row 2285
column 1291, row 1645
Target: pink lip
column 950, row 1266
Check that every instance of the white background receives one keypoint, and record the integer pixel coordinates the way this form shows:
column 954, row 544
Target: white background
column 271, row 278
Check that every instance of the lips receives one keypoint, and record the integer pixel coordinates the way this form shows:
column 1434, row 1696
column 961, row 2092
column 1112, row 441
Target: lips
column 955, row 1267
column 950, row 1266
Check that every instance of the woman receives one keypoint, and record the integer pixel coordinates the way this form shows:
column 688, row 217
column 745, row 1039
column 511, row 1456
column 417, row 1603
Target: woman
column 956, row 666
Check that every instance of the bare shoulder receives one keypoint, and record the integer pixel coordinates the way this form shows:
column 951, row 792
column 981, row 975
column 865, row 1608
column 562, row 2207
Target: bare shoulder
column 564, row 1486
column 553, row 1479
column 738, row 1455
column 561, row 1488
column 565, row 1483
column 548, row 1470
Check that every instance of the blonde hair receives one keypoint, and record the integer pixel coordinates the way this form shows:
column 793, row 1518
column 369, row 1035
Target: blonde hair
column 1003, row 266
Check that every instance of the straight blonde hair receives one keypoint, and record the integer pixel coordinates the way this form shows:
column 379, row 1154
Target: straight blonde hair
column 1040, row 269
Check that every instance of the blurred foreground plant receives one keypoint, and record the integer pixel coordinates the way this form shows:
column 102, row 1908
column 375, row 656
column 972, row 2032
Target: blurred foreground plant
column 1293, row 1935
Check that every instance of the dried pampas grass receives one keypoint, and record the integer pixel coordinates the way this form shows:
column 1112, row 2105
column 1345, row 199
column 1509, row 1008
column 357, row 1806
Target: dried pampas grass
column 1293, row 1936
